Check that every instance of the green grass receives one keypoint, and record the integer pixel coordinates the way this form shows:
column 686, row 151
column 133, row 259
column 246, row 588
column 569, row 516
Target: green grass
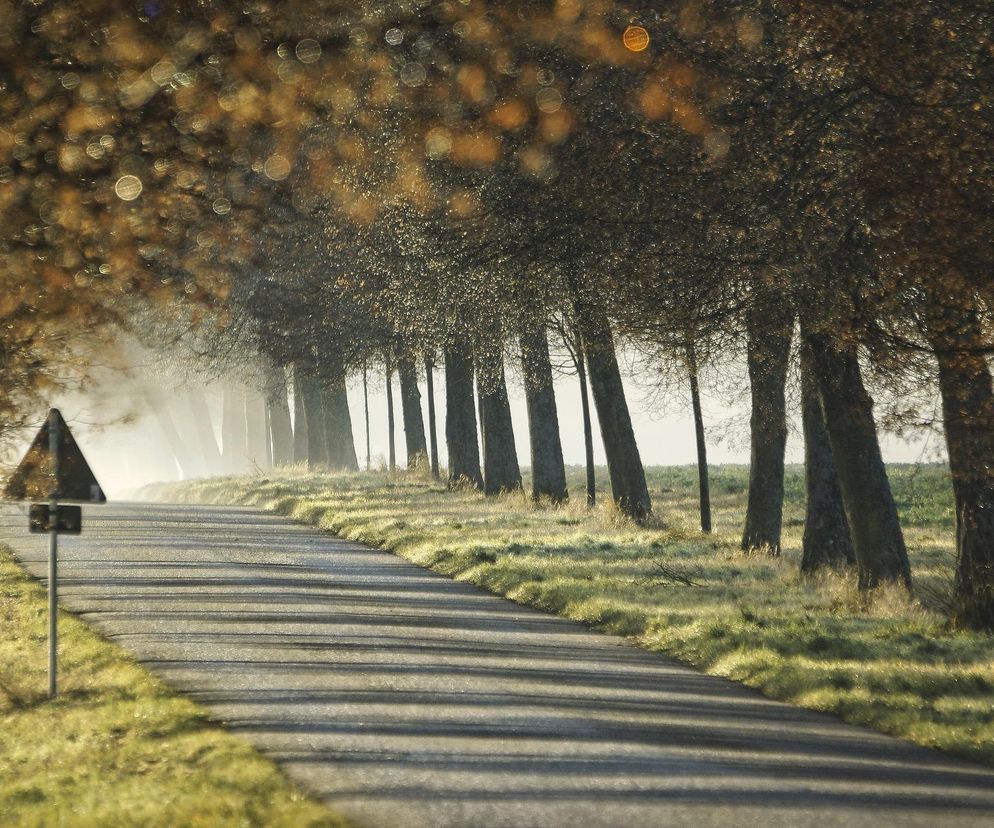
column 117, row 747
column 882, row 660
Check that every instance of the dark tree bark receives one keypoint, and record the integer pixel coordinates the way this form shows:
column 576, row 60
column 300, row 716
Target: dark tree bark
column 769, row 335
column 580, row 361
column 301, row 439
column 878, row 542
column 432, row 427
column 703, row 481
column 280, row 430
column 624, row 464
column 233, row 437
column 206, row 440
column 968, row 418
column 338, row 439
column 391, row 427
column 460, row 418
column 827, row 540
column 501, row 472
column 317, row 449
column 365, row 409
column 410, row 403
column 256, row 433
column 548, row 469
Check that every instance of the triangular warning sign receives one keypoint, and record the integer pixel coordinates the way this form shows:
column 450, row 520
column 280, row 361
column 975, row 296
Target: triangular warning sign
column 34, row 478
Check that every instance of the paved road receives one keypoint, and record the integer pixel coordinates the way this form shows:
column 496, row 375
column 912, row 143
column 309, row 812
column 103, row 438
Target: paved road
column 407, row 699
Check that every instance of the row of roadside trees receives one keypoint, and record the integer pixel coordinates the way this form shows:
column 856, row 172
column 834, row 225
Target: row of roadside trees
column 447, row 186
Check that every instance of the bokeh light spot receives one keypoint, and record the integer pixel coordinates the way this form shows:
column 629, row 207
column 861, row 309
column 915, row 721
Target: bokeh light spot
column 394, row 37
column 636, row 39
column 438, row 143
column 549, row 100
column 128, row 187
column 308, row 51
column 413, row 74
column 276, row 167
column 163, row 72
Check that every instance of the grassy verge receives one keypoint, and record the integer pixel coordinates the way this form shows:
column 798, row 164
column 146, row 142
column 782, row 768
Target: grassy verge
column 884, row 661
column 117, row 747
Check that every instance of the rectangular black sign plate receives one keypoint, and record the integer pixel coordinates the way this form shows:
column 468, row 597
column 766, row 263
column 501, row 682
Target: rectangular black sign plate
column 70, row 519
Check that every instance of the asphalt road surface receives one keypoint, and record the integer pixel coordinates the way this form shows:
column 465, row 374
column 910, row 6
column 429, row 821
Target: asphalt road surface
column 404, row 698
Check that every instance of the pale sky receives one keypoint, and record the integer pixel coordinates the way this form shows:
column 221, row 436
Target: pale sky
column 665, row 438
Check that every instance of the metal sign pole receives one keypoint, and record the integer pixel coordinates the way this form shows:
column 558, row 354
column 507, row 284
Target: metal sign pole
column 39, row 473
column 53, row 554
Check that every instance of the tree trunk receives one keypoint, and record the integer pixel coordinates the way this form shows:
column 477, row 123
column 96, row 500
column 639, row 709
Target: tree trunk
column 968, row 417
column 501, row 472
column 338, row 439
column 256, row 433
column 588, row 429
column 365, row 409
column 548, row 469
column 460, row 418
column 269, row 437
column 827, row 540
column 301, row 439
column 769, row 335
column 310, row 394
column 410, row 403
column 391, row 428
column 206, row 440
column 233, row 437
column 280, row 430
column 878, row 543
column 703, row 481
column 432, row 428
column 624, row 464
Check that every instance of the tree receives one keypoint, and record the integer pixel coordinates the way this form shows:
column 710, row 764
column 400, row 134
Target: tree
column 460, row 419
column 548, row 469
column 414, row 426
column 704, row 485
column 624, row 463
column 827, row 542
column 278, row 417
column 501, row 472
column 878, row 543
column 770, row 331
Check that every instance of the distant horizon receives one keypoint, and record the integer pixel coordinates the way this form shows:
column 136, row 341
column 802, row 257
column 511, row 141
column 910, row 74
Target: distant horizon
column 129, row 455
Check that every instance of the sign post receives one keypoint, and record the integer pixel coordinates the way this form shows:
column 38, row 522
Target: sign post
column 53, row 554
column 54, row 469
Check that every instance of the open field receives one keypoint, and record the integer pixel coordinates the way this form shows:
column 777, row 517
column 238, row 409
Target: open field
column 117, row 747
column 886, row 661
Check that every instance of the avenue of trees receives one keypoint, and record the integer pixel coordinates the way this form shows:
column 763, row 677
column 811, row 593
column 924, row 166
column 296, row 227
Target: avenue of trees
column 397, row 189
